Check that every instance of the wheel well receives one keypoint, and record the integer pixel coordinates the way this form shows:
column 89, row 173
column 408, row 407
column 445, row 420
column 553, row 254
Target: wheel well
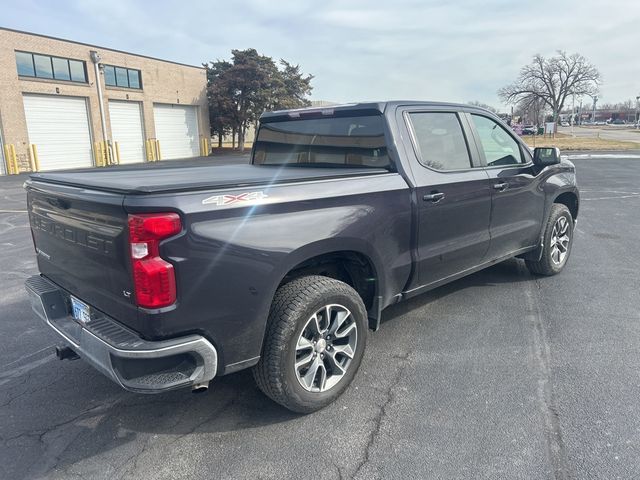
column 353, row 268
column 569, row 199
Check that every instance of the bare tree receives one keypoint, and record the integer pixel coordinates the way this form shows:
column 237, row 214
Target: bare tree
column 531, row 108
column 553, row 80
column 477, row 103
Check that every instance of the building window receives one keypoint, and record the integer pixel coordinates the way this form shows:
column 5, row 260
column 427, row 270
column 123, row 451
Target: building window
column 46, row 66
column 122, row 77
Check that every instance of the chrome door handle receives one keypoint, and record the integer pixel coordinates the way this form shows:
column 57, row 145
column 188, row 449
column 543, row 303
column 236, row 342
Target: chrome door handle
column 433, row 197
column 501, row 186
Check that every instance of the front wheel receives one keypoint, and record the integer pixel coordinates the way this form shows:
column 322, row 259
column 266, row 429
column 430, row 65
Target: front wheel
column 315, row 340
column 558, row 238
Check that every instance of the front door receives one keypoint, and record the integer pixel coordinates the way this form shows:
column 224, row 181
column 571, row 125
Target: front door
column 517, row 203
column 453, row 195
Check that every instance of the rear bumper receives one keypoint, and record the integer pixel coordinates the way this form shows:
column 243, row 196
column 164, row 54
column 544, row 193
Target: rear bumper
column 135, row 364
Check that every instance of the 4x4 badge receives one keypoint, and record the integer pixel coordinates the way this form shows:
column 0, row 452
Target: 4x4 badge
column 230, row 199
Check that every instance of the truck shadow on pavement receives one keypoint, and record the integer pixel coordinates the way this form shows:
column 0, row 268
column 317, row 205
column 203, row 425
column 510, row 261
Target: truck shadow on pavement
column 507, row 272
column 59, row 415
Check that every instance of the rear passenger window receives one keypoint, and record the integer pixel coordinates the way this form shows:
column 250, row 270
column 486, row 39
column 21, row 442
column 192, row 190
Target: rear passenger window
column 499, row 147
column 440, row 141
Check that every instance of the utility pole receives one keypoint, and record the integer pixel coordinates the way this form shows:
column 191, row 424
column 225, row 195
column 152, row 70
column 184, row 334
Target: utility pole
column 637, row 108
column 580, row 113
column 573, row 112
column 593, row 114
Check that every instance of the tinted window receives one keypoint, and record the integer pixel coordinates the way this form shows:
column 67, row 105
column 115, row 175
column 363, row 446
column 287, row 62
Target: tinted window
column 134, row 79
column 355, row 141
column 77, row 71
column 43, row 66
column 24, row 62
column 122, row 77
column 440, row 140
column 499, row 147
column 109, row 75
column 122, row 80
column 61, row 69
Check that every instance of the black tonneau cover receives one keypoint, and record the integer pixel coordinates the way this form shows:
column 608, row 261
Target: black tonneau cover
column 175, row 177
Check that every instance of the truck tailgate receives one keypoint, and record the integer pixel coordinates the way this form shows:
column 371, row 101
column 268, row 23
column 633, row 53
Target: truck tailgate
column 80, row 236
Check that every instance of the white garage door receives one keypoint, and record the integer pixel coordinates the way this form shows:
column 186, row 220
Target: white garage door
column 177, row 130
column 127, row 131
column 59, row 128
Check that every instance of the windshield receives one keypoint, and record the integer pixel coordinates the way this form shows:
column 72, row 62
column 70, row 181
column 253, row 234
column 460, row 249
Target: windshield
column 335, row 141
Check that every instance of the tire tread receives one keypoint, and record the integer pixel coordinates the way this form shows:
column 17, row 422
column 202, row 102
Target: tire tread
column 283, row 319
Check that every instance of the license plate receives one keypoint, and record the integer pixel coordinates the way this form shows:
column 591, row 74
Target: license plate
column 80, row 310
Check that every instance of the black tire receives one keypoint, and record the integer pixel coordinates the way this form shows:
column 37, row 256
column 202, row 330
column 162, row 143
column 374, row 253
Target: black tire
column 547, row 265
column 293, row 306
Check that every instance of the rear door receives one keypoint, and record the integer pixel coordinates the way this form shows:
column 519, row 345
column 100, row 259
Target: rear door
column 517, row 203
column 452, row 192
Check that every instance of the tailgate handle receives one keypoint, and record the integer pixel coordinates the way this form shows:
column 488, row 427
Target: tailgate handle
column 56, row 202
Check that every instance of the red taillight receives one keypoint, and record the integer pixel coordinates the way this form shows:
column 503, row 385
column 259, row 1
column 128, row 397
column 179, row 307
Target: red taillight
column 153, row 278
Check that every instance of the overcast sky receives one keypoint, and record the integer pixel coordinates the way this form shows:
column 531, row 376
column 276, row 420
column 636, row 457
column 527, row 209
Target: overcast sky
column 364, row 50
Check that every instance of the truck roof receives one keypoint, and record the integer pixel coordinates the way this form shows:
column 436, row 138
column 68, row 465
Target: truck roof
column 362, row 108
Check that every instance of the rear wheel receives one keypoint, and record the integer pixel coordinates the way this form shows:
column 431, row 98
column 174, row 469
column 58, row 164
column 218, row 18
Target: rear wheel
column 558, row 238
column 314, row 343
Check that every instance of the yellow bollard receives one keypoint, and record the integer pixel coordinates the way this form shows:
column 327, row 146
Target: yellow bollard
column 152, row 154
column 96, row 154
column 204, row 147
column 8, row 159
column 158, row 154
column 101, row 154
column 117, row 153
column 14, row 158
column 33, row 158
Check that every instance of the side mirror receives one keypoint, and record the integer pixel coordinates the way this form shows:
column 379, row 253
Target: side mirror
column 545, row 156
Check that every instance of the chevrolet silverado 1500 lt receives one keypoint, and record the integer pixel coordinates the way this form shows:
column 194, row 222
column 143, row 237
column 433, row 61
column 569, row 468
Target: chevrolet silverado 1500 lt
column 168, row 277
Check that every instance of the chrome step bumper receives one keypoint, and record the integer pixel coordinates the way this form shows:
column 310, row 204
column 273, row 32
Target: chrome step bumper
column 136, row 364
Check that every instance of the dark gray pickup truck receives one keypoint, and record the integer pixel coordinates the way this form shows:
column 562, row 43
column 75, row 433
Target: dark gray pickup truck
column 168, row 277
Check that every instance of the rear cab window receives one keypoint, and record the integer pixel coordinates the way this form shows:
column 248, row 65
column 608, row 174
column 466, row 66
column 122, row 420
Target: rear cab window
column 439, row 140
column 356, row 141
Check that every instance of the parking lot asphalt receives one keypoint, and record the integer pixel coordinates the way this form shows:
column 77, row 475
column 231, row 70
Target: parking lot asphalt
column 619, row 133
column 498, row 375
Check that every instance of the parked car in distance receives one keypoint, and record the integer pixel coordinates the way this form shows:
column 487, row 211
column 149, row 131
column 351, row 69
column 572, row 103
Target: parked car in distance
column 169, row 277
column 529, row 130
column 564, row 124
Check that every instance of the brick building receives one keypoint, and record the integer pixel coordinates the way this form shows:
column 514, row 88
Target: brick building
column 54, row 114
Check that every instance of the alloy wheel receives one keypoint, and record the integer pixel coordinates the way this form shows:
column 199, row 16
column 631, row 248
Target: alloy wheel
column 560, row 239
column 325, row 348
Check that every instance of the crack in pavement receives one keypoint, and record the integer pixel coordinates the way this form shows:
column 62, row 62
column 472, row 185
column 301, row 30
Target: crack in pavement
column 129, row 466
column 556, row 451
column 382, row 411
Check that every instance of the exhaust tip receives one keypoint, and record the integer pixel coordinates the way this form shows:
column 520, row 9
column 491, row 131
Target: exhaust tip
column 200, row 387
